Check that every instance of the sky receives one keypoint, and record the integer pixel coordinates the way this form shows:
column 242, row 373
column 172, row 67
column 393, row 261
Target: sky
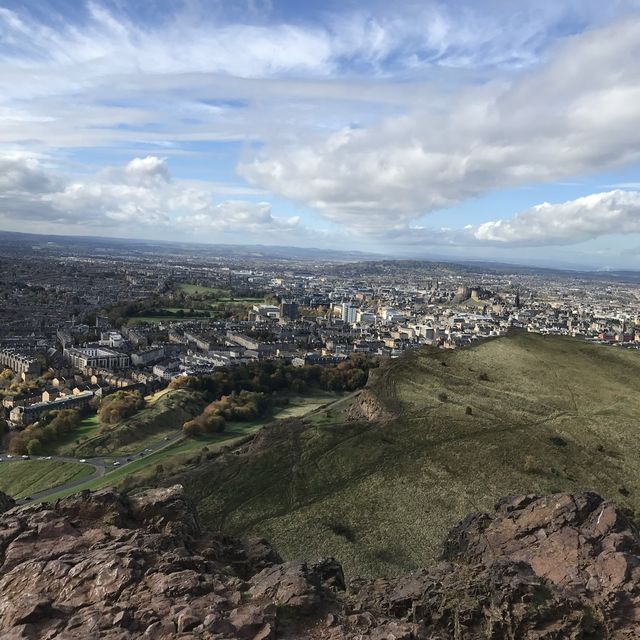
column 462, row 129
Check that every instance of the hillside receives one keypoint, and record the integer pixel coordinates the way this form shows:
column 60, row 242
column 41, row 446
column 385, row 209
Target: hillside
column 435, row 435
column 158, row 419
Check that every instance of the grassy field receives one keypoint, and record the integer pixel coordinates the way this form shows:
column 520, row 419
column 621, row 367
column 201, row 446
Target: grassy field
column 196, row 289
column 26, row 477
column 162, row 417
column 301, row 405
column 153, row 398
column 154, row 319
column 520, row 414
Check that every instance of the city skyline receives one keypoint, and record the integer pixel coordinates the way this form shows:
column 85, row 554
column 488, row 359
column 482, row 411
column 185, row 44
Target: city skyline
column 458, row 130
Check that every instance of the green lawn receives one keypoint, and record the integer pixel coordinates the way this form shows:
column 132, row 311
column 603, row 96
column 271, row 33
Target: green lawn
column 154, row 319
column 22, row 478
column 301, row 405
column 196, row 289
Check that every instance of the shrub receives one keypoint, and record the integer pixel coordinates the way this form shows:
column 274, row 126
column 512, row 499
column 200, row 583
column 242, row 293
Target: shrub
column 443, row 397
column 34, row 447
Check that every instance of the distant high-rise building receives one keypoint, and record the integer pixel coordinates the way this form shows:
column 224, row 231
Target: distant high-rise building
column 288, row 310
column 518, row 299
column 348, row 313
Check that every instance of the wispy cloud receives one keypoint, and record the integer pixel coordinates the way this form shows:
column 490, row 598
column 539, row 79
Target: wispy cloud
column 369, row 114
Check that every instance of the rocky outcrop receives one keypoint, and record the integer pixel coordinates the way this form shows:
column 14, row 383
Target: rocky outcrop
column 367, row 408
column 105, row 565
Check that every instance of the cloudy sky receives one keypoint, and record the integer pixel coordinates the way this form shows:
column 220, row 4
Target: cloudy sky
column 469, row 129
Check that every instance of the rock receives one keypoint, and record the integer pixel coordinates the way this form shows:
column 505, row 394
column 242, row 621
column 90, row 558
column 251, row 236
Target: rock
column 290, row 586
column 330, row 573
column 105, row 565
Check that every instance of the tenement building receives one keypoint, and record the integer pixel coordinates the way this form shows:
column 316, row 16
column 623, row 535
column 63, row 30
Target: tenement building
column 19, row 362
column 90, row 358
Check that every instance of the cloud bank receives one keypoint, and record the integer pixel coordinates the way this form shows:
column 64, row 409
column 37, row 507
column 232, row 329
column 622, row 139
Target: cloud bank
column 578, row 114
column 142, row 195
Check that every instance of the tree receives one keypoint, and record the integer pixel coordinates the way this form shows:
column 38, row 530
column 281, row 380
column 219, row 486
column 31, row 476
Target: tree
column 192, row 429
column 120, row 405
column 34, row 447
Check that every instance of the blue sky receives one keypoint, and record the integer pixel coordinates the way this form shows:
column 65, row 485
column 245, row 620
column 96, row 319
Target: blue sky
column 491, row 130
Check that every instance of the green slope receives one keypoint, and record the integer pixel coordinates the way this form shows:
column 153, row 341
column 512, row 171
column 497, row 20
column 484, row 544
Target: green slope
column 22, row 478
column 546, row 414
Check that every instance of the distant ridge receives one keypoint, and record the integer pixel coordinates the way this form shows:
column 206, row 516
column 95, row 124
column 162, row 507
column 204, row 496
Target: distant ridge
column 221, row 250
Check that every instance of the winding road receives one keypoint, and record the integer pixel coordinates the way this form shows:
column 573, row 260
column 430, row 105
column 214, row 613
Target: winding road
column 100, row 465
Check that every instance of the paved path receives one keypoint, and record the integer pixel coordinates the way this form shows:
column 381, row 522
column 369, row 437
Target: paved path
column 100, row 465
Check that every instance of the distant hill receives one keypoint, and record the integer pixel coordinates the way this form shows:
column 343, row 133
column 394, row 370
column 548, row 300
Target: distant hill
column 99, row 245
column 435, row 435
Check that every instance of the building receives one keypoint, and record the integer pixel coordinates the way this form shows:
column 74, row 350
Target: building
column 23, row 416
column 167, row 371
column 264, row 312
column 19, row 362
column 23, row 400
column 148, row 356
column 88, row 358
column 348, row 313
column 288, row 310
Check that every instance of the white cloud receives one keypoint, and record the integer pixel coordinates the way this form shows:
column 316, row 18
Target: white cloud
column 373, row 116
column 578, row 114
column 572, row 222
column 140, row 197
column 613, row 212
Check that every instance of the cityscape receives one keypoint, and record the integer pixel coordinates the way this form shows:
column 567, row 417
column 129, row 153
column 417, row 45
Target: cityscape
column 319, row 320
column 81, row 322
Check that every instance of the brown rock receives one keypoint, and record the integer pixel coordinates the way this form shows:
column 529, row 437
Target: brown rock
column 108, row 566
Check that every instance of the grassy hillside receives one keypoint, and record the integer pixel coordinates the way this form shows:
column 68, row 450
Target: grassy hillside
column 22, row 478
column 163, row 416
column 519, row 414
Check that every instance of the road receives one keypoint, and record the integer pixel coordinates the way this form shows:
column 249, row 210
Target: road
column 100, row 465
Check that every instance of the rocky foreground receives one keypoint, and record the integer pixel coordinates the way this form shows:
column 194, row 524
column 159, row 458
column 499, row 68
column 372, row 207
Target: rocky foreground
column 105, row 565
